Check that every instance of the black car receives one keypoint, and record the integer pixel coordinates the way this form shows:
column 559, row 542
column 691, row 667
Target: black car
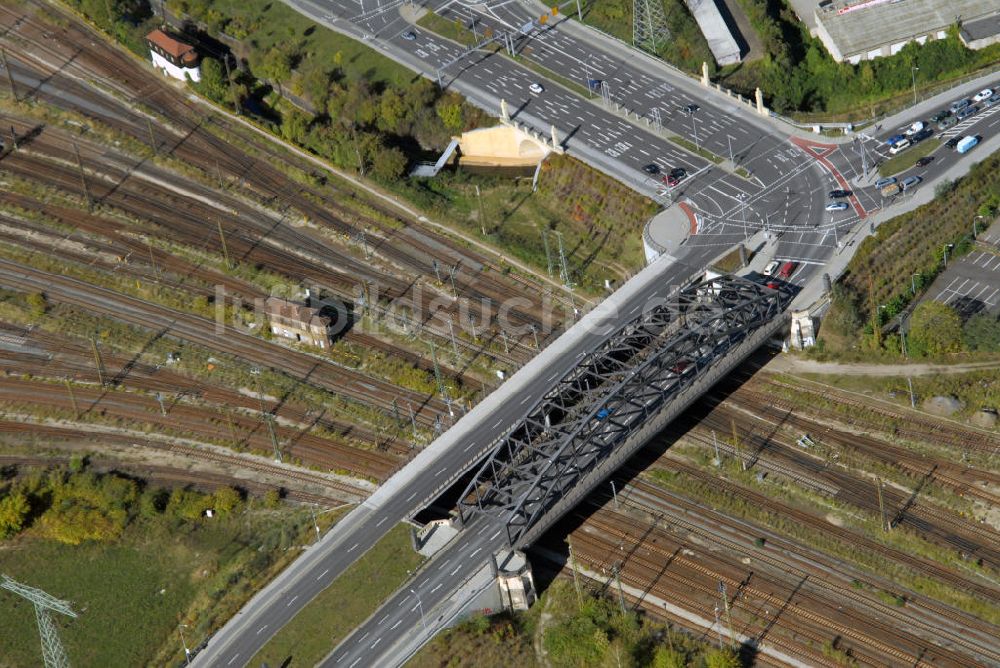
column 691, row 108
column 834, row 194
column 678, row 172
column 652, row 169
column 920, row 136
column 953, row 142
column 926, row 160
column 965, row 113
column 940, row 116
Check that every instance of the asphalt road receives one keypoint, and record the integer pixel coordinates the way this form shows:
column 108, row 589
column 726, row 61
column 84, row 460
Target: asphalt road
column 273, row 607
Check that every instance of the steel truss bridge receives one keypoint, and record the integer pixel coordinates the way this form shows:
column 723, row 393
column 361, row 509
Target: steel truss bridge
column 617, row 397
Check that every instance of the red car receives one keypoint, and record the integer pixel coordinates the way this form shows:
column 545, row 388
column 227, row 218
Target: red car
column 675, row 176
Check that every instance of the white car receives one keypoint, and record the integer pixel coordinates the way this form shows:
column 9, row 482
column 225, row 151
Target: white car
column 535, row 87
column 771, row 267
column 915, row 128
column 837, row 206
column 984, row 94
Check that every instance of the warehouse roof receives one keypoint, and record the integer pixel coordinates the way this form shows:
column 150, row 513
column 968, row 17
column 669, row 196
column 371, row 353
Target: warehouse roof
column 857, row 26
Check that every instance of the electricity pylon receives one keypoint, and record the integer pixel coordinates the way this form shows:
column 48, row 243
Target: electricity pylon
column 53, row 653
column 649, row 25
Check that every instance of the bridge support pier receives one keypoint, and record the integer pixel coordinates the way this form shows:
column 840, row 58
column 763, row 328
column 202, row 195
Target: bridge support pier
column 514, row 579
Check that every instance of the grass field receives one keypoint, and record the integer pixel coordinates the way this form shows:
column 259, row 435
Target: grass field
column 131, row 595
column 266, row 24
column 351, row 599
column 908, row 158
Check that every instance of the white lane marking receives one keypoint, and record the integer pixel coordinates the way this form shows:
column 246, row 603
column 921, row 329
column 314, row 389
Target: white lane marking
column 398, row 622
column 322, row 574
column 457, row 569
column 354, row 663
column 380, row 622
column 261, row 629
column 469, row 446
column 526, row 399
column 438, row 586
column 362, row 638
column 441, row 471
column 292, row 600
column 352, row 548
column 235, row 656
column 379, row 523
column 499, row 422
column 494, row 536
column 478, row 550
column 375, row 643
column 410, row 497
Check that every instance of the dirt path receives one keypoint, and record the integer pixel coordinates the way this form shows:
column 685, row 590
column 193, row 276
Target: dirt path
column 788, row 364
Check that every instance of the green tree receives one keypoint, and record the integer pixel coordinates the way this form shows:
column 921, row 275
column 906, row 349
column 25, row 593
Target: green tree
column 38, row 304
column 272, row 499
column 935, row 328
column 276, row 66
column 668, row 658
column 226, row 499
column 14, row 509
column 388, row 164
column 982, row 333
column 844, row 316
column 392, row 112
column 294, row 126
column 721, row 658
column 449, row 110
column 213, row 84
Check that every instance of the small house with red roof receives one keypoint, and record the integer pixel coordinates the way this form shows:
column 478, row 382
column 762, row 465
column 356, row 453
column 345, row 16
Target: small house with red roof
column 174, row 57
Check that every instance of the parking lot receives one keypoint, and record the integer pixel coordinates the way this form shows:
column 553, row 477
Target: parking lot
column 971, row 284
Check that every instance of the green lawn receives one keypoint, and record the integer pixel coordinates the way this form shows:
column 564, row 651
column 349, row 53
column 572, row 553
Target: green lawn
column 351, row 599
column 909, row 157
column 268, row 23
column 130, row 595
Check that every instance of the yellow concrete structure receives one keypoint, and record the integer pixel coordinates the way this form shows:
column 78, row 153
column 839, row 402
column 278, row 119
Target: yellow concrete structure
column 506, row 145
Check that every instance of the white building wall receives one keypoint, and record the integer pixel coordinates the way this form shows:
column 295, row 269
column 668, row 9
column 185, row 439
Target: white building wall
column 181, row 73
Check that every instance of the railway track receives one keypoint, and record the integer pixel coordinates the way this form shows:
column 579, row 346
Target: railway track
column 173, row 476
column 302, row 367
column 61, row 358
column 189, row 139
column 207, row 454
column 871, row 414
column 198, row 424
column 815, row 615
column 980, row 587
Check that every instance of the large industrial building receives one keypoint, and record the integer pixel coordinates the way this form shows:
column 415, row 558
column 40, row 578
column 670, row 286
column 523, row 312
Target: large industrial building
column 856, row 30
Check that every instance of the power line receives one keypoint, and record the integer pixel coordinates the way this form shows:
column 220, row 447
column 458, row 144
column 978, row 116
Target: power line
column 53, row 653
column 649, row 25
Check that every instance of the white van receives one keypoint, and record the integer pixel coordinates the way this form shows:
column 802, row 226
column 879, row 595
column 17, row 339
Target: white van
column 899, row 146
column 915, row 128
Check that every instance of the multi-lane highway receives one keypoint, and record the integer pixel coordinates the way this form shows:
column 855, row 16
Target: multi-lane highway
column 786, row 190
column 453, row 454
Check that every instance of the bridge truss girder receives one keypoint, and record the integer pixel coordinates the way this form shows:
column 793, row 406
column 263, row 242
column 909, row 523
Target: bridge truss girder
column 610, row 394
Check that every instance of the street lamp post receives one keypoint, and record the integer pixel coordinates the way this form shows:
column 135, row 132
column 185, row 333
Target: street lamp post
column 187, row 652
column 743, row 216
column 975, row 231
column 913, row 284
column 423, row 622
column 913, row 73
column 694, row 128
column 946, row 247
